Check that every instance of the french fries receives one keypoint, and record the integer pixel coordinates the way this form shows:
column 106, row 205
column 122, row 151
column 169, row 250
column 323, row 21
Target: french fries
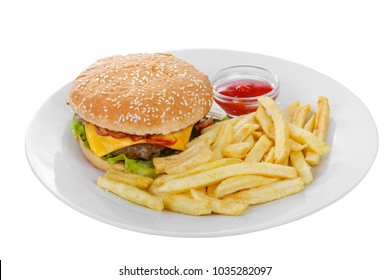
column 251, row 159
column 303, row 168
column 309, row 125
column 300, row 115
column 183, row 203
column 208, row 137
column 244, row 131
column 237, row 150
column 131, row 193
column 207, row 166
column 269, row 158
column 282, row 147
column 238, row 183
column 262, row 146
column 213, row 176
column 265, row 121
column 290, row 111
column 320, row 128
column 322, row 118
column 268, row 192
column 230, row 208
column 135, row 180
column 303, row 136
column 225, row 137
column 190, row 158
column 295, row 146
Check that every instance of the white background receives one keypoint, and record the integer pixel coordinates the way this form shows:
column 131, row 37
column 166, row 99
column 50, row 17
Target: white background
column 45, row 44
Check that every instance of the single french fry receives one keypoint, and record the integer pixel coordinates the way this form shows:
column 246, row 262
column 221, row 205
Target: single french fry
column 208, row 137
column 242, row 120
column 130, row 193
column 135, row 180
column 282, row 148
column 216, row 175
column 257, row 134
column 218, row 125
column 309, row 125
column 269, row 158
column 303, row 136
column 230, row 208
column 244, row 131
column 250, row 140
column 322, row 118
column 224, row 138
column 187, row 205
column 303, row 168
column 237, row 183
column 301, row 114
column 295, row 146
column 265, row 122
column 290, row 111
column 258, row 151
column 182, row 203
column 312, row 158
column 268, row 192
column 237, row 150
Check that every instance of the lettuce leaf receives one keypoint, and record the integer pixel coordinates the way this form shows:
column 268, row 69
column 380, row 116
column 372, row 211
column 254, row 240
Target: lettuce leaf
column 78, row 129
column 136, row 166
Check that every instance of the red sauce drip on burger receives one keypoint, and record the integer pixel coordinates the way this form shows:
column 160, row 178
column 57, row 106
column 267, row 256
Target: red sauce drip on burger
column 148, row 138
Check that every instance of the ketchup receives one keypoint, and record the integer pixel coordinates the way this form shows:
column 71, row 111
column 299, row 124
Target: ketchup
column 245, row 88
column 152, row 139
column 233, row 91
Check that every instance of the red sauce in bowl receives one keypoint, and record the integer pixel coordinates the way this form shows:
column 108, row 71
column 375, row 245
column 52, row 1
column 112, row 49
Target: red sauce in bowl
column 239, row 97
column 245, row 88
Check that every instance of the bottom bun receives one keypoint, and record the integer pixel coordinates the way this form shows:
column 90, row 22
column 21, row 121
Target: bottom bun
column 96, row 161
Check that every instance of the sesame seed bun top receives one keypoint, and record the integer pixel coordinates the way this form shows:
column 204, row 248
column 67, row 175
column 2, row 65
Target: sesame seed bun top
column 141, row 94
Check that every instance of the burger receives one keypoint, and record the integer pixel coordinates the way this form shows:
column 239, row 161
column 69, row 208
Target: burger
column 131, row 108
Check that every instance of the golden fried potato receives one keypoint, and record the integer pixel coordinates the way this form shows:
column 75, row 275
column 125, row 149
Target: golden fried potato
column 215, row 175
column 303, row 168
column 309, row 125
column 265, row 121
column 131, row 193
column 313, row 142
column 320, row 128
column 282, row 148
column 230, row 208
column 183, row 203
column 300, row 115
column 237, row 150
column 290, row 111
column 237, row 183
column 192, row 157
column 244, row 131
column 262, row 146
column 224, row 138
column 203, row 167
column 122, row 176
column 268, row 192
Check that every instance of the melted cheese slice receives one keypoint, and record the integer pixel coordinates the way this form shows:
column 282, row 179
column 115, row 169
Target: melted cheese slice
column 103, row 145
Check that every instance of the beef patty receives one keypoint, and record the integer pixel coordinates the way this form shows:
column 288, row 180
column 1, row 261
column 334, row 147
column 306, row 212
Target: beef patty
column 144, row 151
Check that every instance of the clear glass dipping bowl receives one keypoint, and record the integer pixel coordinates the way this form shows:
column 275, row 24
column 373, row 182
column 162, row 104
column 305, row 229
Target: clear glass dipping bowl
column 236, row 105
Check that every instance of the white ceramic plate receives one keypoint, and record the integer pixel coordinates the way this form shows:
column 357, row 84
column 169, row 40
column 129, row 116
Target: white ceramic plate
column 55, row 158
